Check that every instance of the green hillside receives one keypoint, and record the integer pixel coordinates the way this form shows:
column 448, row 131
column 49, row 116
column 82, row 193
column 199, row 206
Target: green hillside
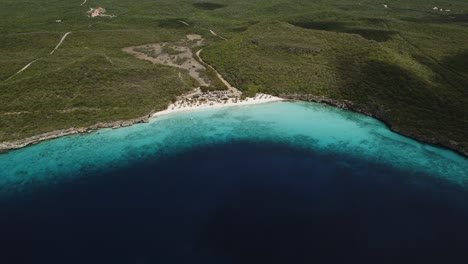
column 282, row 59
column 406, row 64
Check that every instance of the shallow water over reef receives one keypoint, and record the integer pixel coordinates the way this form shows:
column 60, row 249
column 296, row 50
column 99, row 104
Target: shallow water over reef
column 274, row 183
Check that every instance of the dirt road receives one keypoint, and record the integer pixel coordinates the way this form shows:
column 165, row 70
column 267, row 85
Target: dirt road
column 234, row 90
column 60, row 42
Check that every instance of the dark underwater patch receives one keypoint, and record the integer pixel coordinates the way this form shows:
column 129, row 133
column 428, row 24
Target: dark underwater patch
column 243, row 202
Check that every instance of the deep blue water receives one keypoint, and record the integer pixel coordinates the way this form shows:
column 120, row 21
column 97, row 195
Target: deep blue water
column 285, row 182
column 242, row 201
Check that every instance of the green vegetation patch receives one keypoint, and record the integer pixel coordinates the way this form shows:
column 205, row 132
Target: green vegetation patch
column 279, row 58
column 106, row 92
column 405, row 63
column 170, row 50
column 208, row 5
column 365, row 31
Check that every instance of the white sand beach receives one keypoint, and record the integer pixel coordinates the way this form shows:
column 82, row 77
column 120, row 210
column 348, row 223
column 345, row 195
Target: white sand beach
column 195, row 104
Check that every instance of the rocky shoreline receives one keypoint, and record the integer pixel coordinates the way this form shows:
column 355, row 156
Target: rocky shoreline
column 17, row 144
column 381, row 115
column 343, row 104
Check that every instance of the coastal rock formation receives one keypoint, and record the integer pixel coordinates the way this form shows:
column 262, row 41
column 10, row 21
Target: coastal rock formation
column 380, row 114
column 11, row 145
column 190, row 101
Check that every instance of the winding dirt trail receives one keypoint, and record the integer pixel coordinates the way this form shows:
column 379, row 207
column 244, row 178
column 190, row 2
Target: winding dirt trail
column 60, row 43
column 22, row 69
column 211, row 31
column 216, row 35
column 29, row 64
column 84, row 2
column 234, row 90
column 183, row 22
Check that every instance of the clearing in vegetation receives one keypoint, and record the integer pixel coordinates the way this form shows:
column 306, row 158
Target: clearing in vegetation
column 171, row 54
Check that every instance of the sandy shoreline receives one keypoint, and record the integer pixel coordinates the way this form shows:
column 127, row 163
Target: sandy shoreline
column 177, row 107
column 193, row 105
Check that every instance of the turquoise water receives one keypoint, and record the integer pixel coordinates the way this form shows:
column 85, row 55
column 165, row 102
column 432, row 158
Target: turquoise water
column 285, row 182
column 305, row 125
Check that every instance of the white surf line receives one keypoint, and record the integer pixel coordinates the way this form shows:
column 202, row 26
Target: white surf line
column 183, row 22
column 84, row 2
column 216, row 35
column 22, row 69
column 60, row 43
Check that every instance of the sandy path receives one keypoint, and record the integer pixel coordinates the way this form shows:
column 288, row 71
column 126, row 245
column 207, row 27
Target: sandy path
column 211, row 31
column 183, row 22
column 216, row 35
column 84, row 2
column 108, row 59
column 220, row 77
column 29, row 64
column 22, row 69
column 60, row 43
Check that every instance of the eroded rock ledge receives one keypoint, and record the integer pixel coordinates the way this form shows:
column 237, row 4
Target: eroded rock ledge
column 11, row 145
column 381, row 115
